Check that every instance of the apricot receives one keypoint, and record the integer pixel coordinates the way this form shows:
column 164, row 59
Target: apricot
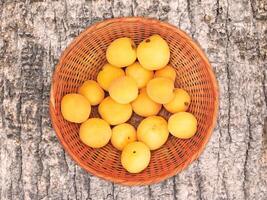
column 75, row 108
column 95, row 132
column 153, row 131
column 92, row 91
column 153, row 53
column 108, row 74
column 122, row 135
column 182, row 125
column 160, row 90
column 135, row 157
column 113, row 112
column 123, row 90
column 167, row 72
column 121, row 52
column 144, row 106
column 139, row 74
column 179, row 103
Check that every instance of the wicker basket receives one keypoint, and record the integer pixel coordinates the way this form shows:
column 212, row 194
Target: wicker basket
column 84, row 58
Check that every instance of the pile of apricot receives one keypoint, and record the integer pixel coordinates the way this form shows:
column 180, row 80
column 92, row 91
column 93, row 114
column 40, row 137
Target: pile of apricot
column 136, row 79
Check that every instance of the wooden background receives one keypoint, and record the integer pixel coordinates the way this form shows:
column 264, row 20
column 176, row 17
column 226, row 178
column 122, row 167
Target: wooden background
column 33, row 33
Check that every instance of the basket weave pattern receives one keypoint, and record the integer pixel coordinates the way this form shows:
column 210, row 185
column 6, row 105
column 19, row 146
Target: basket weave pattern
column 83, row 59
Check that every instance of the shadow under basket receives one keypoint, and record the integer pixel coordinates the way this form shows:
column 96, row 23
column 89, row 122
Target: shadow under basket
column 83, row 59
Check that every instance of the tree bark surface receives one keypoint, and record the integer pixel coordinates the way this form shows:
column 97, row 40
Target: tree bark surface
column 33, row 34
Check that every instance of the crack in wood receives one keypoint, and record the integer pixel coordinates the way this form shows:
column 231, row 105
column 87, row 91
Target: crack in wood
column 74, row 182
column 11, row 190
column 88, row 190
column 65, row 160
column 39, row 140
column 264, row 82
column 174, row 188
column 246, row 194
column 264, row 141
column 20, row 159
column 191, row 18
column 48, row 183
column 111, row 8
column 225, row 188
column 218, row 156
column 133, row 7
column 149, row 193
column 199, row 181
column 218, row 10
column 2, row 91
column 228, row 74
column 20, row 162
column 113, row 190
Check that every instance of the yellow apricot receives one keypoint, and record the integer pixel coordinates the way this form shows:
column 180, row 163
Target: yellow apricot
column 153, row 131
column 160, row 90
column 153, row 53
column 108, row 74
column 122, row 135
column 75, row 108
column 92, row 91
column 95, row 132
column 179, row 103
column 113, row 112
column 123, row 90
column 182, row 125
column 167, row 72
column 139, row 74
column 144, row 106
column 121, row 52
column 135, row 157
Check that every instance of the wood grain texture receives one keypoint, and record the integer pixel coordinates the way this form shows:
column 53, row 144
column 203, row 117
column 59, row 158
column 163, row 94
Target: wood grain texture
column 33, row 34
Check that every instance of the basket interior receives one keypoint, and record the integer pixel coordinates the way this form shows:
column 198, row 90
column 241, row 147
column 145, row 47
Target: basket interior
column 85, row 59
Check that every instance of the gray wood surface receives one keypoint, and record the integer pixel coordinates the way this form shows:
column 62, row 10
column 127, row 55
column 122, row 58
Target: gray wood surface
column 33, row 33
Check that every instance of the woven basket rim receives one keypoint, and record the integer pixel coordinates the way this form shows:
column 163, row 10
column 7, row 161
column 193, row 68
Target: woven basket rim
column 107, row 22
